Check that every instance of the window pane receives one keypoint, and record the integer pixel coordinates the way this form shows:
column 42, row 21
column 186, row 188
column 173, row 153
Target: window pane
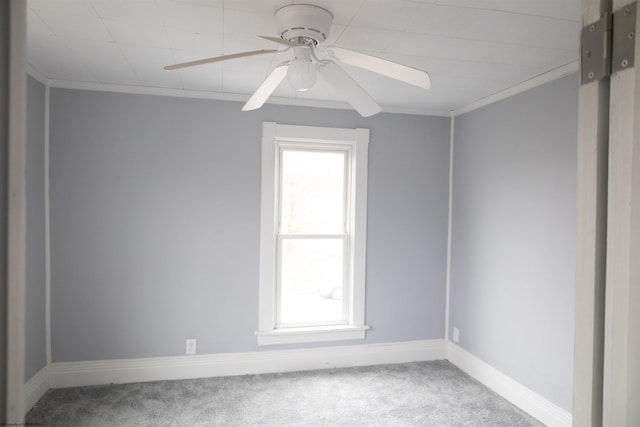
column 311, row 281
column 312, row 192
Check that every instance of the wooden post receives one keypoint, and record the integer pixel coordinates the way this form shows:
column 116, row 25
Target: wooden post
column 4, row 191
column 13, row 62
column 622, row 328
column 593, row 132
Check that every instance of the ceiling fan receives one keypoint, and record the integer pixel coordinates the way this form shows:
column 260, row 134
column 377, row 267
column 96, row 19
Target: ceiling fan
column 301, row 28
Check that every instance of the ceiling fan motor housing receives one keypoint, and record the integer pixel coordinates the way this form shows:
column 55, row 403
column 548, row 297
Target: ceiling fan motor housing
column 304, row 23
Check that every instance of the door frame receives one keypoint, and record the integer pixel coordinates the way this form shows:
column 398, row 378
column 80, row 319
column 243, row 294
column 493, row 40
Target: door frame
column 607, row 342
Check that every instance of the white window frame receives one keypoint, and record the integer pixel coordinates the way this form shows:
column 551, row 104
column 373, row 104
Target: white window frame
column 357, row 141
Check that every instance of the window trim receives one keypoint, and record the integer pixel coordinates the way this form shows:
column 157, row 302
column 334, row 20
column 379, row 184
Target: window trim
column 358, row 140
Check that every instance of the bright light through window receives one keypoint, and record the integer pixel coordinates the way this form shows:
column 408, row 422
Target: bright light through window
column 312, row 237
column 312, row 192
column 313, row 234
column 311, row 282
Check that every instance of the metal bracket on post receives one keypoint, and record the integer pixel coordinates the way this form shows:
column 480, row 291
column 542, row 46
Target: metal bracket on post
column 608, row 45
column 596, row 50
column 624, row 38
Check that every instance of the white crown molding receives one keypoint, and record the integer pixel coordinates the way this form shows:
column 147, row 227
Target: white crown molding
column 35, row 388
column 413, row 111
column 524, row 398
column 147, row 90
column 36, row 74
column 223, row 96
column 71, row 374
column 549, row 76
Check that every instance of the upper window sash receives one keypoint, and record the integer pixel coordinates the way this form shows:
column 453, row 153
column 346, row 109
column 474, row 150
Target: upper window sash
column 341, row 224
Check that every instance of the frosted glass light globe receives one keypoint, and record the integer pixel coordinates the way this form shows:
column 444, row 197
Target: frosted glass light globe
column 302, row 74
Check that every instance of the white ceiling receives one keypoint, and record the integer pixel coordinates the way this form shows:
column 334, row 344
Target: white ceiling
column 471, row 48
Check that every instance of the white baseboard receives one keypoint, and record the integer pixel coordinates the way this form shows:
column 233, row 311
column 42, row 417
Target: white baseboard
column 527, row 400
column 71, row 374
column 35, row 388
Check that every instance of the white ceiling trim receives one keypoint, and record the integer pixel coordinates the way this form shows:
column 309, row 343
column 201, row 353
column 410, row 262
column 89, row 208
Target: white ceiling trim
column 549, row 76
column 36, row 74
column 539, row 80
column 225, row 96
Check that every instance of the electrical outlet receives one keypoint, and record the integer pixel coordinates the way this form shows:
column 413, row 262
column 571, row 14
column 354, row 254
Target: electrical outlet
column 191, row 346
column 456, row 335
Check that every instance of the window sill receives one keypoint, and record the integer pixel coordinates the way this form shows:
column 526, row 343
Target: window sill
column 312, row 334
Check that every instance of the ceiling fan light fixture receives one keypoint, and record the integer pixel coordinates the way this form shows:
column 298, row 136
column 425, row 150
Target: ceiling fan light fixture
column 302, row 70
column 302, row 74
column 302, row 27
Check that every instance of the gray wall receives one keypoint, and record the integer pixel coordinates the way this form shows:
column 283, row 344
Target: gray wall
column 514, row 236
column 35, row 323
column 155, row 223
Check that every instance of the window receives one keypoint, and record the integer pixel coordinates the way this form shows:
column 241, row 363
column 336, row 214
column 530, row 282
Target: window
column 313, row 234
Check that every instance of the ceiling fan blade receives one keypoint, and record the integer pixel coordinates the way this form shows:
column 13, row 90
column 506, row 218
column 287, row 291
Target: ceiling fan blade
column 281, row 41
column 391, row 69
column 266, row 88
column 344, row 84
column 219, row 58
